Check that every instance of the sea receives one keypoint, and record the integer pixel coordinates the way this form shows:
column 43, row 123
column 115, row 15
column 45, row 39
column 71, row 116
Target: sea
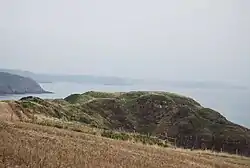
column 234, row 104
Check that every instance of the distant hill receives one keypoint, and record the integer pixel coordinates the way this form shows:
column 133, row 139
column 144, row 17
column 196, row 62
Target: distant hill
column 49, row 78
column 112, row 80
column 161, row 114
column 16, row 84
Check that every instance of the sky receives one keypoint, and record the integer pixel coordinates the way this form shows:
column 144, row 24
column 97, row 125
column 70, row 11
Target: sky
column 164, row 39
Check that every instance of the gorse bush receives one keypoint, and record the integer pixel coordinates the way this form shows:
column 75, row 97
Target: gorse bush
column 145, row 139
column 116, row 135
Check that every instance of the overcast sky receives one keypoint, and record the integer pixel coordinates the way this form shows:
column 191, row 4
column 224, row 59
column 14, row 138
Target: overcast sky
column 169, row 39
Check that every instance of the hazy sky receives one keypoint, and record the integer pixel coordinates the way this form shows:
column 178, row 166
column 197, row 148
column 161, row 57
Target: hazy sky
column 170, row 39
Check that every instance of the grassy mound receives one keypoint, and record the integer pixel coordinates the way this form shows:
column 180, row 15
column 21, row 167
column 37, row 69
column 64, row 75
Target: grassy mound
column 160, row 114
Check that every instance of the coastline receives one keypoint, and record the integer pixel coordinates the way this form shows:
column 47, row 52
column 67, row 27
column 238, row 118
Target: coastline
column 25, row 93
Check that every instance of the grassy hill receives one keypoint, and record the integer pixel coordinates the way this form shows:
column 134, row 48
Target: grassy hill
column 31, row 145
column 163, row 115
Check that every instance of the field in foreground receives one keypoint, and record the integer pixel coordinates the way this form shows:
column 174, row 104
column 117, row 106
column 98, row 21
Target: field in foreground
column 31, row 145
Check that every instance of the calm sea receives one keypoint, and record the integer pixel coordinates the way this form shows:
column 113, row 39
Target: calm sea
column 233, row 104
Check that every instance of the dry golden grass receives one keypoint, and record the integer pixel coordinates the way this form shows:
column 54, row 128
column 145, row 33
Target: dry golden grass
column 6, row 112
column 30, row 145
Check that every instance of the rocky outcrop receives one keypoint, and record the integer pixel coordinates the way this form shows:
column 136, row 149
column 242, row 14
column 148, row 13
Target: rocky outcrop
column 15, row 84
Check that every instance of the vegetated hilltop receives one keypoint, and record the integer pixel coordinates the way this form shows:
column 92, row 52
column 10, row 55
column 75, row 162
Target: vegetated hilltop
column 15, row 84
column 161, row 114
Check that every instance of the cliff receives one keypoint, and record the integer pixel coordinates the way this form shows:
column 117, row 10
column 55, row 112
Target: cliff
column 15, row 84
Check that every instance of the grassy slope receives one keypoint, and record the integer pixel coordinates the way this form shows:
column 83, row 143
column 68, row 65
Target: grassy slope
column 154, row 113
column 29, row 145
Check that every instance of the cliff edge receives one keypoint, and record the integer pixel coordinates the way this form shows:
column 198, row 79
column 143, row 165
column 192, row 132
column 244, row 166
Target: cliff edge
column 15, row 84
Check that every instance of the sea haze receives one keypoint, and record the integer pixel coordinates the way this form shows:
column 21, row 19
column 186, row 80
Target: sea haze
column 232, row 103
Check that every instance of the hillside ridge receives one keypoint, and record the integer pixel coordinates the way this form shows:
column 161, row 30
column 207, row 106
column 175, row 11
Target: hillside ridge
column 161, row 114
